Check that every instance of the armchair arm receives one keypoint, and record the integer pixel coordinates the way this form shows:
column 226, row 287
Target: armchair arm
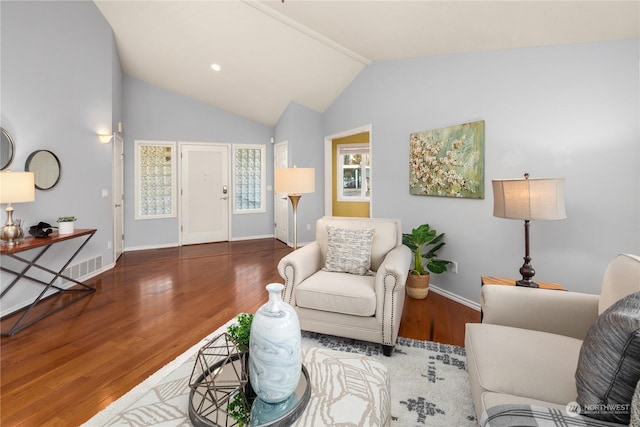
column 565, row 313
column 390, row 280
column 296, row 267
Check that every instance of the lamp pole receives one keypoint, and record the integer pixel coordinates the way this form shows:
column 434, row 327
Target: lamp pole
column 527, row 270
column 295, row 198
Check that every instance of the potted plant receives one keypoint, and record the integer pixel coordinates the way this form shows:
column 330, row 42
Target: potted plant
column 65, row 224
column 424, row 243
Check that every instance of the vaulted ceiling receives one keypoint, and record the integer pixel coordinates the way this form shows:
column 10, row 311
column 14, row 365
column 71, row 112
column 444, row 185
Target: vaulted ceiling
column 274, row 52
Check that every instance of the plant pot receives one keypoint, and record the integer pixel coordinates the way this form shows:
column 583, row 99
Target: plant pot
column 65, row 227
column 418, row 286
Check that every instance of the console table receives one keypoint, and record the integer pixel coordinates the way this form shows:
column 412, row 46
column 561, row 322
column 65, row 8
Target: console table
column 44, row 244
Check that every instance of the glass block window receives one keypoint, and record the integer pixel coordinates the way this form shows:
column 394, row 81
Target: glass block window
column 354, row 173
column 155, row 179
column 249, row 178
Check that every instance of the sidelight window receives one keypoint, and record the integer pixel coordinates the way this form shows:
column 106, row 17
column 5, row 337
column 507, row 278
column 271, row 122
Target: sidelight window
column 249, row 178
column 155, row 179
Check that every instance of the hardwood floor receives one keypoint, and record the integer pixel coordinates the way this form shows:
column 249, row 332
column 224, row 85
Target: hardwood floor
column 147, row 310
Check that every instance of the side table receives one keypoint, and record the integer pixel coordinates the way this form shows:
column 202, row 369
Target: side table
column 43, row 244
column 490, row 280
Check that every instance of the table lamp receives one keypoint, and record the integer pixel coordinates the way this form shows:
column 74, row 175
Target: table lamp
column 528, row 199
column 295, row 181
column 15, row 187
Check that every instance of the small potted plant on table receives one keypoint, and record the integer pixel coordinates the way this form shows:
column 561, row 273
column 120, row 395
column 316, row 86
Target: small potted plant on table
column 66, row 224
column 424, row 243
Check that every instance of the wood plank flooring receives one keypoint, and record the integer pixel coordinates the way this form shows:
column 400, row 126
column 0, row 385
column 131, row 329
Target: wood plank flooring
column 147, row 310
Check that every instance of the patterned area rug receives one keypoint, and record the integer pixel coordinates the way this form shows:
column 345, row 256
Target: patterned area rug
column 429, row 381
column 429, row 385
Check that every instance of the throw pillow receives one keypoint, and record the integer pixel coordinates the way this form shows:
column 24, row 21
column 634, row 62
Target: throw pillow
column 349, row 250
column 609, row 362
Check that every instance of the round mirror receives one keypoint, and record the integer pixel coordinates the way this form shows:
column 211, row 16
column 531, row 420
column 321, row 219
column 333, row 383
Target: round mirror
column 46, row 167
column 7, row 149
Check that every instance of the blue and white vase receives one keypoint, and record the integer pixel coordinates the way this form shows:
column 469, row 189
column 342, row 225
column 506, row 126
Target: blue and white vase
column 275, row 348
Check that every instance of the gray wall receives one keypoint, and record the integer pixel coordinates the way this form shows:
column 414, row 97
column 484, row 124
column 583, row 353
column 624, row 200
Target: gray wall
column 302, row 128
column 151, row 113
column 61, row 85
column 566, row 111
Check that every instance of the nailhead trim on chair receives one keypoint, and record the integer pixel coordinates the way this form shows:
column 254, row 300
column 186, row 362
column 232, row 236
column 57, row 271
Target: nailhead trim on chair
column 286, row 282
column 384, row 342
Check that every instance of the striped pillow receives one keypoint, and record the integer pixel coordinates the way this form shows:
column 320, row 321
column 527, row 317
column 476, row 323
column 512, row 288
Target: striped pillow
column 609, row 363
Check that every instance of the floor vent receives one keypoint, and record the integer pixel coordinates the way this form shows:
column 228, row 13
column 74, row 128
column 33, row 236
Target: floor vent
column 82, row 270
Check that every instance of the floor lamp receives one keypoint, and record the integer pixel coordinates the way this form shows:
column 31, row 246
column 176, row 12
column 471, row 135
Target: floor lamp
column 15, row 187
column 294, row 182
column 528, row 199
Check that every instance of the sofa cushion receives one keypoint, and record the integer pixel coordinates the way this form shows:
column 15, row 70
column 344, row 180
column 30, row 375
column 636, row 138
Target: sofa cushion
column 338, row 292
column 349, row 250
column 520, row 362
column 609, row 365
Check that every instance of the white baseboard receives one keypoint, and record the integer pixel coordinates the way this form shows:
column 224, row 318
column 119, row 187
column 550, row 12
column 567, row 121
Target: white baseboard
column 264, row 236
column 457, row 298
column 144, row 248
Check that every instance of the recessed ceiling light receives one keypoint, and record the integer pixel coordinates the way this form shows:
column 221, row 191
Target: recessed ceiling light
column 215, row 67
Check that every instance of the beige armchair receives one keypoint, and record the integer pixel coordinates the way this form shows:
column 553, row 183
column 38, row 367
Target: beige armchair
column 366, row 306
column 526, row 350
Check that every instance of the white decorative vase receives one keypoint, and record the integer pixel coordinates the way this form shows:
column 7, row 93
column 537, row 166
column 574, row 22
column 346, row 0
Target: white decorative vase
column 275, row 348
column 65, row 227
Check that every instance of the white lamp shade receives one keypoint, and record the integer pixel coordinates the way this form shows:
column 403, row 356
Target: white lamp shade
column 295, row 180
column 17, row 187
column 539, row 199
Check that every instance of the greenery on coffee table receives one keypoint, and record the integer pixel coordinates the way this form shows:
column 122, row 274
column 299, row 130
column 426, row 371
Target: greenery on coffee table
column 239, row 407
column 240, row 331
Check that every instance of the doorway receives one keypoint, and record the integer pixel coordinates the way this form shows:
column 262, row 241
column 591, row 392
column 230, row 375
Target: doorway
column 348, row 173
column 204, row 193
column 118, row 196
column 281, row 201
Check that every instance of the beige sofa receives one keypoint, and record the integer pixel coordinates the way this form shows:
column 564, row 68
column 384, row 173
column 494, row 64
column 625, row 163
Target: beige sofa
column 367, row 307
column 527, row 347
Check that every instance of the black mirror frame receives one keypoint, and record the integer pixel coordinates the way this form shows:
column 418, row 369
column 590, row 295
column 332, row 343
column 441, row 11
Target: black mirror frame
column 28, row 169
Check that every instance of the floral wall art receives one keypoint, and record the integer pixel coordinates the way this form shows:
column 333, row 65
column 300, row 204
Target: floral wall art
column 448, row 162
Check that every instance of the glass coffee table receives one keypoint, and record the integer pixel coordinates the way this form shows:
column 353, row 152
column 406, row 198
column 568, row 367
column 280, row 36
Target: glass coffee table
column 236, row 403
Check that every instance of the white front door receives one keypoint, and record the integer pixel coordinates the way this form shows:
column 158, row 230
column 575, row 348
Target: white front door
column 281, row 202
column 205, row 193
column 118, row 196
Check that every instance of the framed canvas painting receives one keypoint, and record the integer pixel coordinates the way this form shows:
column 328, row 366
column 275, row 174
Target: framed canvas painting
column 448, row 162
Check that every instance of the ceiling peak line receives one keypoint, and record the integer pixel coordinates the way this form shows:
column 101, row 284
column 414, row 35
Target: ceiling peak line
column 307, row 31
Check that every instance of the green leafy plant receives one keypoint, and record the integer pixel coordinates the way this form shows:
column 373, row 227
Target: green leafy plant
column 241, row 331
column 239, row 406
column 67, row 219
column 239, row 409
column 425, row 243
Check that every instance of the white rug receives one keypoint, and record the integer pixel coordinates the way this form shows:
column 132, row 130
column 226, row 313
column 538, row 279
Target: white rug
column 429, row 385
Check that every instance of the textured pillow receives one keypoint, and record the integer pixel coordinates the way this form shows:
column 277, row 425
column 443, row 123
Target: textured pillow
column 349, row 250
column 609, row 363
